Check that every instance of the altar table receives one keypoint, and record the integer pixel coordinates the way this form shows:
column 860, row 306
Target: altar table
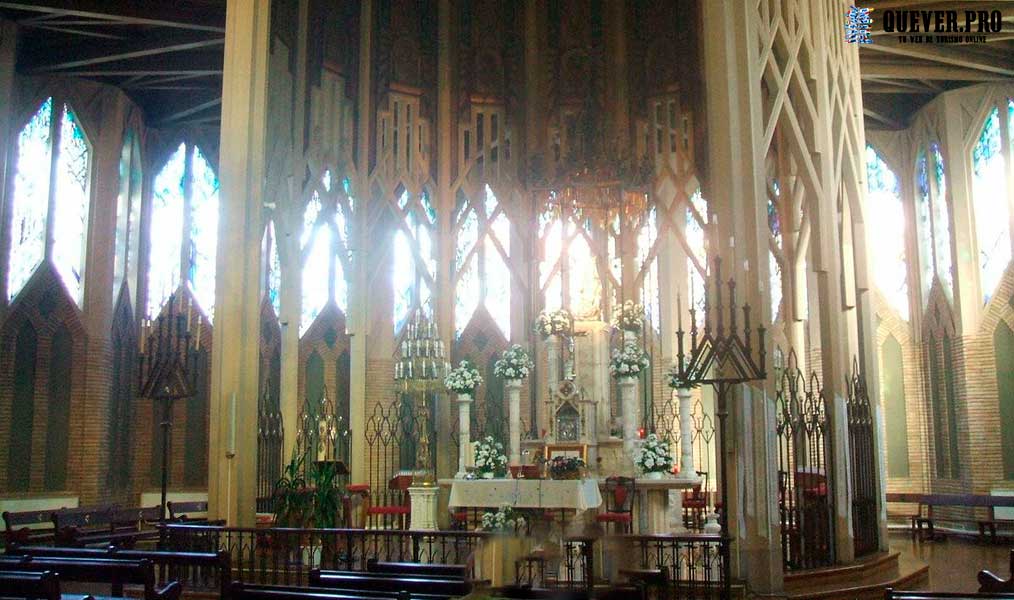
column 577, row 494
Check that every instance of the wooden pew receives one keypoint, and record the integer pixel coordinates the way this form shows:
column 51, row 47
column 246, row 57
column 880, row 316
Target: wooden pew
column 891, row 594
column 192, row 569
column 382, row 582
column 246, row 591
column 183, row 512
column 109, row 524
column 927, row 502
column 18, row 531
column 116, row 573
column 410, row 569
column 992, row 583
column 26, row 584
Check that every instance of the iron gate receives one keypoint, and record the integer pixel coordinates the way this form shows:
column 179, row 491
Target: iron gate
column 865, row 528
column 805, row 495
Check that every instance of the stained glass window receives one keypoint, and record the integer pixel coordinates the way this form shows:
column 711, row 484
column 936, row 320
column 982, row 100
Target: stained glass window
column 775, row 274
column 646, row 240
column 697, row 218
column 128, row 214
column 64, row 206
column 569, row 269
column 30, row 202
column 989, row 197
column 924, row 223
column 482, row 249
column 324, row 246
column 184, row 231
column 273, row 268
column 883, row 198
column 941, row 222
column 413, row 264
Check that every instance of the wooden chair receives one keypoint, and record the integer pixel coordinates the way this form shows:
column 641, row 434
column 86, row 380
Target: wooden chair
column 695, row 503
column 395, row 508
column 619, row 502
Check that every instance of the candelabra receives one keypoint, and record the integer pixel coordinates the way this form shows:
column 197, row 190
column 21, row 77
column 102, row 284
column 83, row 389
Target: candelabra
column 167, row 369
column 722, row 358
column 421, row 370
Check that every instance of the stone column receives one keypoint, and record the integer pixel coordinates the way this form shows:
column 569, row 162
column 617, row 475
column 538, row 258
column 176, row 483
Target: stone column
column 513, row 387
column 464, row 432
column 631, row 414
column 687, row 470
column 232, row 462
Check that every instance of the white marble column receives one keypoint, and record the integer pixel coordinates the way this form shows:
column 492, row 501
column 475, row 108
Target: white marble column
column 631, row 414
column 464, row 432
column 687, row 470
column 547, row 420
column 513, row 387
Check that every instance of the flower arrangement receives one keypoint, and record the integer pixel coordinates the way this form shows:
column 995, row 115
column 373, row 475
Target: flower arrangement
column 464, row 379
column 504, row 520
column 554, row 322
column 654, row 456
column 629, row 316
column 565, row 467
column 490, row 460
column 514, row 364
column 629, row 362
column 674, row 381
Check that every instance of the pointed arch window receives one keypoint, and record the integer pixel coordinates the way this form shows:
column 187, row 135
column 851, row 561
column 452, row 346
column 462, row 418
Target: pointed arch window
column 481, row 262
column 647, row 263
column 272, row 268
column 989, row 199
column 326, row 260
column 413, row 266
column 184, row 229
column 890, row 269
column 50, row 200
column 697, row 259
column 128, row 215
column 569, row 269
column 933, row 220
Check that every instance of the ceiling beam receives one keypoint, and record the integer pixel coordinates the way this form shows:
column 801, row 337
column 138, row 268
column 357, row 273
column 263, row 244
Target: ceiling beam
column 190, row 111
column 885, row 120
column 101, row 10
column 60, row 29
column 107, row 58
column 152, row 72
column 893, row 70
column 942, row 55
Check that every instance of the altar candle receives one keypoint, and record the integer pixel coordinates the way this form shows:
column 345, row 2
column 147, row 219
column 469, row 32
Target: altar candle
column 679, row 312
column 200, row 318
column 232, row 429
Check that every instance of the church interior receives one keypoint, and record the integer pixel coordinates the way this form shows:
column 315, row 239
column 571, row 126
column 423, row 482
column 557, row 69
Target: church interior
column 702, row 299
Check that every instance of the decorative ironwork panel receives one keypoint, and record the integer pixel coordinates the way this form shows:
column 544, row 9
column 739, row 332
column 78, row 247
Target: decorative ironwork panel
column 804, row 485
column 865, row 529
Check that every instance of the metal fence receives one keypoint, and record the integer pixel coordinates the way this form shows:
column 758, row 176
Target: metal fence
column 865, row 528
column 694, row 565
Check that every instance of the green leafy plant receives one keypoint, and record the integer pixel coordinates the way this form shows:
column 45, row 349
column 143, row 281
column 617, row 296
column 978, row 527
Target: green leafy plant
column 308, row 495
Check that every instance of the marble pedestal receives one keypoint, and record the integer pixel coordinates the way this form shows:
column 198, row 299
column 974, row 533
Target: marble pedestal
column 424, row 507
column 661, row 505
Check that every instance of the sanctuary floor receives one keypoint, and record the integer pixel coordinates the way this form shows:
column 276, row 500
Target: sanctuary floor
column 955, row 562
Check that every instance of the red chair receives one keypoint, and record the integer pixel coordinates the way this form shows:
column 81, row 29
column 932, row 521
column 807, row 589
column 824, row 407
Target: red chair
column 356, row 495
column 394, row 507
column 695, row 503
column 619, row 504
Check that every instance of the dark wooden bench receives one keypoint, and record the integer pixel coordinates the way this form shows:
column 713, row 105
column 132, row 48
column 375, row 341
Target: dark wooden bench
column 527, row 592
column 381, row 582
column 115, row 573
column 989, row 582
column 31, row 586
column 105, row 525
column 18, row 527
column 182, row 512
column 456, row 572
column 923, row 522
column 246, row 591
column 891, row 594
column 194, row 570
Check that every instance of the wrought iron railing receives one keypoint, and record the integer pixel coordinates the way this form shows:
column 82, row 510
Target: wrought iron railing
column 696, row 565
column 865, row 505
column 282, row 556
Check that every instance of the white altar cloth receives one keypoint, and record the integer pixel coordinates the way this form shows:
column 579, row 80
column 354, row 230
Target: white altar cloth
column 578, row 494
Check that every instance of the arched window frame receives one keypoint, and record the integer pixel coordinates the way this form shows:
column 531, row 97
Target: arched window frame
column 482, row 233
column 58, row 107
column 414, row 252
column 893, row 282
column 933, row 221
column 991, row 195
column 325, row 239
column 128, row 214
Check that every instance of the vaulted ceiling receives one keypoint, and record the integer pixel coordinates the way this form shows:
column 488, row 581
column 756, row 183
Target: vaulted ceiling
column 899, row 78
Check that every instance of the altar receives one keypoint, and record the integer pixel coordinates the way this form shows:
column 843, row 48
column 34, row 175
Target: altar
column 575, row 494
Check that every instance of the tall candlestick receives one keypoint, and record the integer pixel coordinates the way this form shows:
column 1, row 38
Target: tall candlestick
column 679, row 312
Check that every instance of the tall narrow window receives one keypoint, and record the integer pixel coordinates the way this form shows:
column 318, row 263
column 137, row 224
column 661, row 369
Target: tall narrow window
column 324, row 246
column 989, row 197
column 941, row 222
column 933, row 221
column 895, row 411
column 890, row 269
column 128, row 215
column 569, row 269
column 774, row 265
column 483, row 248
column 924, row 223
column 272, row 268
column 184, row 230
column 413, row 265
column 647, row 263
column 1003, row 351
column 697, row 260
column 50, row 220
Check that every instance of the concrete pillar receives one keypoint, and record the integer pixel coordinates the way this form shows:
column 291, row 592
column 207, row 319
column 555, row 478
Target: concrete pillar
column 232, row 481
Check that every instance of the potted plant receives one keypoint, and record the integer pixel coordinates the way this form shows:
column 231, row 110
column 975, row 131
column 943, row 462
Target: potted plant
column 654, row 459
column 490, row 460
column 629, row 316
column 504, row 520
column 566, row 467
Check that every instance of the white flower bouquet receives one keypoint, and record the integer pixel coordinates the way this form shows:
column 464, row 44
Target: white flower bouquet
column 654, row 456
column 514, row 364
column 630, row 362
column 629, row 316
column 504, row 520
column 490, row 460
column 464, row 379
column 558, row 322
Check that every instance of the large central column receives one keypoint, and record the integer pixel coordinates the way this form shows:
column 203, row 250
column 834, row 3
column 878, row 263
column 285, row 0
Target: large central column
column 232, row 481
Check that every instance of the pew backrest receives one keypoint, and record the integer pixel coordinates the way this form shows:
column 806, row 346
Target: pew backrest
column 27, row 584
column 386, row 583
column 95, row 570
column 25, row 526
column 188, row 511
column 892, row 594
column 246, row 591
column 417, row 569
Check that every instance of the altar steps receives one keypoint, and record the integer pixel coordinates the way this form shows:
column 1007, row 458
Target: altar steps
column 866, row 579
